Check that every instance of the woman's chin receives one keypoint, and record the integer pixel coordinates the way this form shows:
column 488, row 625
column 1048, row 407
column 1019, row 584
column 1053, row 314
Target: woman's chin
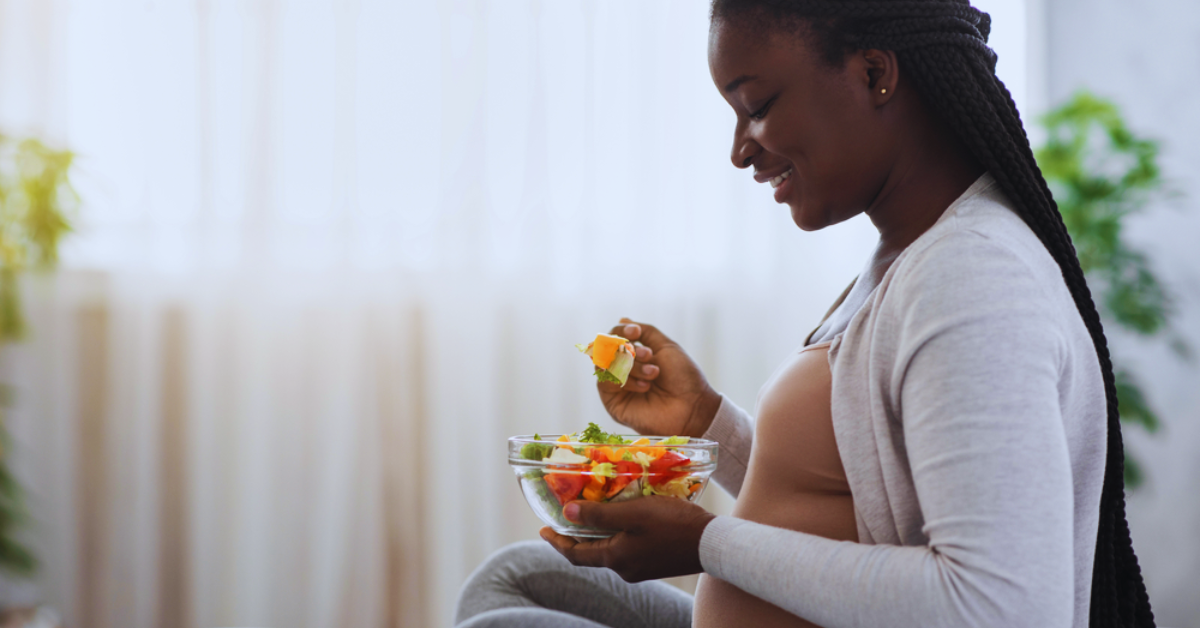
column 807, row 219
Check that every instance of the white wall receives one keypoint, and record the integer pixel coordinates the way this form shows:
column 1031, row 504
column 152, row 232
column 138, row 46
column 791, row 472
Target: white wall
column 1146, row 57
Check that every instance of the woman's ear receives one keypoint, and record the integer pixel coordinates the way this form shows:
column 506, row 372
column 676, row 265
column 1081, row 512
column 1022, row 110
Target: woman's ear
column 882, row 73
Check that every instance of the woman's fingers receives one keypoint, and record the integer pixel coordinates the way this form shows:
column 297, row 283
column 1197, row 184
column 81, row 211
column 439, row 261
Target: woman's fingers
column 609, row 387
column 629, row 331
column 637, row 385
column 648, row 335
column 633, row 384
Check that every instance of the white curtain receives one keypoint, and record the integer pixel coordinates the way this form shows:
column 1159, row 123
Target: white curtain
column 331, row 254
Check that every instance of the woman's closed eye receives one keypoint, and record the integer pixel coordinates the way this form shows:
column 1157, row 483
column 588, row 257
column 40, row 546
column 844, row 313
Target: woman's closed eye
column 762, row 111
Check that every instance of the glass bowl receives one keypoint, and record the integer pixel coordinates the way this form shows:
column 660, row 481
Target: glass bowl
column 552, row 472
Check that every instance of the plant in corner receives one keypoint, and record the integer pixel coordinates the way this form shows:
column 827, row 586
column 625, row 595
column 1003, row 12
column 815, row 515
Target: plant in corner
column 1100, row 174
column 35, row 197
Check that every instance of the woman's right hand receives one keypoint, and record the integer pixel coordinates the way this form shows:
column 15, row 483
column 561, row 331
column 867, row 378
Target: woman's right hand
column 666, row 394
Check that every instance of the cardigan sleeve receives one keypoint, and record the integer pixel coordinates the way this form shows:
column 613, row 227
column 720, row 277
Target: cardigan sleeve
column 973, row 392
column 734, row 432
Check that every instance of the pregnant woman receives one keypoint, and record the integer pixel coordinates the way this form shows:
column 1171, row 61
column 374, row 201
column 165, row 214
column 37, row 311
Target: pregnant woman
column 944, row 449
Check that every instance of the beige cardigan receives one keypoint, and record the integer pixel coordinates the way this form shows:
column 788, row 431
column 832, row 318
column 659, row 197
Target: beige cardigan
column 969, row 411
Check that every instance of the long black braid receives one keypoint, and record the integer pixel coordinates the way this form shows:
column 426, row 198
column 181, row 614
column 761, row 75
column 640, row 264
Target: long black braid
column 942, row 46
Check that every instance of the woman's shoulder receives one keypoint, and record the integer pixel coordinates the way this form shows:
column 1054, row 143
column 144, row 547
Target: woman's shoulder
column 979, row 249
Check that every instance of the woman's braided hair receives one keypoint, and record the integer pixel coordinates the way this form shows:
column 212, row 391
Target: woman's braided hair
column 942, row 46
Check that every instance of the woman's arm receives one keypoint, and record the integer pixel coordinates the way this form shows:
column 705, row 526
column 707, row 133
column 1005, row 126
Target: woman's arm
column 733, row 429
column 975, row 388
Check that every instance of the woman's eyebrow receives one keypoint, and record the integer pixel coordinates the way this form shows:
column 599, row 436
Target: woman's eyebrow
column 738, row 81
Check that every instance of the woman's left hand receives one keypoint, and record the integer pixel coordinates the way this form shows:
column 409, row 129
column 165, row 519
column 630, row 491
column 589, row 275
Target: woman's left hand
column 659, row 537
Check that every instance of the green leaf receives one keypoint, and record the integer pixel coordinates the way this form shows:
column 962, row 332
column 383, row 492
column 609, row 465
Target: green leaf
column 1100, row 173
column 593, row 434
column 1132, row 404
column 1134, row 476
column 15, row 558
column 604, row 376
column 535, row 451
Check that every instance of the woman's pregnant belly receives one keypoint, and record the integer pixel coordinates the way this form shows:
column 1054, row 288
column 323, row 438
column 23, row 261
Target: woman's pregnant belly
column 795, row 480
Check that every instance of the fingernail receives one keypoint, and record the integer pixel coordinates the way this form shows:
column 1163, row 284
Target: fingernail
column 630, row 330
column 571, row 512
column 649, row 369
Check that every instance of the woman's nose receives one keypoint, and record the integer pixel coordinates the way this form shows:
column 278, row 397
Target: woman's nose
column 744, row 151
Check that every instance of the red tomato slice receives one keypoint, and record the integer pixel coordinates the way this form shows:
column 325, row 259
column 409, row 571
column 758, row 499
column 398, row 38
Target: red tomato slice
column 565, row 486
column 626, row 473
column 662, row 477
column 659, row 469
column 668, row 460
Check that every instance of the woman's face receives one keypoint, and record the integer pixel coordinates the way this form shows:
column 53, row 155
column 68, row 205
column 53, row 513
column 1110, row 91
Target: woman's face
column 819, row 126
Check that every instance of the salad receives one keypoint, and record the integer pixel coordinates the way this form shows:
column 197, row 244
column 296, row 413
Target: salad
column 602, row 467
column 612, row 356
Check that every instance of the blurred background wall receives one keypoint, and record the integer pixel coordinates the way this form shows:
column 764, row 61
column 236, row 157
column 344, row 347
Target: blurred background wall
column 332, row 253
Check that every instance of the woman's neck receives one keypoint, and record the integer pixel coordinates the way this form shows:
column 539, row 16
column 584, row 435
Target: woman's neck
column 932, row 170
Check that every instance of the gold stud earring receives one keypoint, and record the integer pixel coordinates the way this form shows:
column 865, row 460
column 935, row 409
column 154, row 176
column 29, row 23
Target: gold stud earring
column 883, row 91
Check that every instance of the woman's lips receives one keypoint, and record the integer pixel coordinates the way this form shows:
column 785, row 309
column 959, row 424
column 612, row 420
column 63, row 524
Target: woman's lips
column 782, row 185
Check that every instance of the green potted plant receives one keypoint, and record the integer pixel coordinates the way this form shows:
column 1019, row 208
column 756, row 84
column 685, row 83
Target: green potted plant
column 35, row 199
column 1100, row 174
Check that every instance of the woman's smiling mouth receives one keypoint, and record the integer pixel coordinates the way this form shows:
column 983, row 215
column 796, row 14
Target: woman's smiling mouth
column 778, row 181
column 781, row 182
column 783, row 185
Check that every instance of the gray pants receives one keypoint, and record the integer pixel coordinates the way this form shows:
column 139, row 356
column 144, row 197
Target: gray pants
column 529, row 585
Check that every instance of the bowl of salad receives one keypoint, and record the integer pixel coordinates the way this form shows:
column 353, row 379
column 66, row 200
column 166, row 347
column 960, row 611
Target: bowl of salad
column 596, row 466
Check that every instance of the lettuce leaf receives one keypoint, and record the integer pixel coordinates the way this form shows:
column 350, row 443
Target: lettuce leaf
column 605, row 469
column 605, row 376
column 621, row 365
column 673, row 488
column 562, row 456
column 535, row 451
column 593, row 434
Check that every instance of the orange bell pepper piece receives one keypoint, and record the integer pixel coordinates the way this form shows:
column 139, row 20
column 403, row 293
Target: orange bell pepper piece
column 594, row 493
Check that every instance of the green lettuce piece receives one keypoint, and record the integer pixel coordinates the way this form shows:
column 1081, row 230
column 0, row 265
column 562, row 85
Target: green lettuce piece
column 563, row 456
column 536, row 451
column 643, row 459
column 674, row 440
column 605, row 469
column 593, row 434
column 621, row 365
column 605, row 376
column 634, row 489
column 674, row 488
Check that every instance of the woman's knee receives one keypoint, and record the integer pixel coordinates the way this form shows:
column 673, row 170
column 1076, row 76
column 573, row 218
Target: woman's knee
column 496, row 583
column 527, row 618
column 507, row 564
